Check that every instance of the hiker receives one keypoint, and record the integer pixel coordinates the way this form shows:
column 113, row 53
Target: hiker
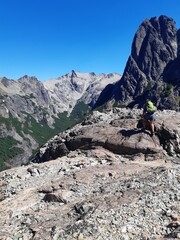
column 148, row 115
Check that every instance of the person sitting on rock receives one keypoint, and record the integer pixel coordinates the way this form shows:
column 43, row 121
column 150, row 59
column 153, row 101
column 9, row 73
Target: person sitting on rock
column 148, row 115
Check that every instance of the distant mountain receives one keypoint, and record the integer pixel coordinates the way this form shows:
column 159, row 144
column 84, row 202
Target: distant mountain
column 67, row 90
column 31, row 111
column 153, row 68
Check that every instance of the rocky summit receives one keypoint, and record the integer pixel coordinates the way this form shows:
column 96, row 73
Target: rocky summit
column 104, row 178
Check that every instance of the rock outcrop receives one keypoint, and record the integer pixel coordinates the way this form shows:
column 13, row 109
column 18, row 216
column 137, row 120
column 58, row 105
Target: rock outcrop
column 118, row 131
column 152, row 70
column 110, row 181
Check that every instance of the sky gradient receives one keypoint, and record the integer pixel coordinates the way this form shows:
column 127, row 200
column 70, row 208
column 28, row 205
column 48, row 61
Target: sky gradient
column 49, row 38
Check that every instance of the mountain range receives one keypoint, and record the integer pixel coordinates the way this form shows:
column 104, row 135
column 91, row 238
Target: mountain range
column 32, row 111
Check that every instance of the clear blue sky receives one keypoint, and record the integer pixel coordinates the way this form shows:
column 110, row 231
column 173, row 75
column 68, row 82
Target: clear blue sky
column 49, row 38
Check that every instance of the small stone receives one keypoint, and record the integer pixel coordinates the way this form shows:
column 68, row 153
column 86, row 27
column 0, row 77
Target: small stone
column 168, row 213
column 123, row 229
column 75, row 234
column 81, row 237
column 174, row 217
column 178, row 235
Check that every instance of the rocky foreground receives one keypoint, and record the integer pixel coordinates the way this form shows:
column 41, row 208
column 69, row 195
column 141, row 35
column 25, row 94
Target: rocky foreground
column 103, row 179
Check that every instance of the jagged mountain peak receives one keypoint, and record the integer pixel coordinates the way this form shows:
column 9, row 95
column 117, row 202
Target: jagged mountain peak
column 154, row 40
column 92, row 74
column 77, row 74
column 70, row 88
column 6, row 82
column 73, row 74
column 28, row 79
column 9, row 86
column 152, row 70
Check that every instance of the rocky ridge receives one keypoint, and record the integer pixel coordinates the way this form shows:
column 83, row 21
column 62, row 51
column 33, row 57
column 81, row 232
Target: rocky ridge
column 46, row 99
column 94, row 190
column 119, row 131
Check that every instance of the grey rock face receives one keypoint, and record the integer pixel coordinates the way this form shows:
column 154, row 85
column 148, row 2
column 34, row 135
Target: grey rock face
column 67, row 90
column 32, row 86
column 25, row 95
column 152, row 70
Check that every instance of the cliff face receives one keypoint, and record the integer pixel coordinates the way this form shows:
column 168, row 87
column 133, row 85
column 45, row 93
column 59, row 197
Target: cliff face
column 152, row 70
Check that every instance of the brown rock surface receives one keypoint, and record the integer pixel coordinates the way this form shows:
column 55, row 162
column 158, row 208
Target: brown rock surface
column 95, row 194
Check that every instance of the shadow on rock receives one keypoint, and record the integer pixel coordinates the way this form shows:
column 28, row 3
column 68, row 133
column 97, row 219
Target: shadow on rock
column 128, row 133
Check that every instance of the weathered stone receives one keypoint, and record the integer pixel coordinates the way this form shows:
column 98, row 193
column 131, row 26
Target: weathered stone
column 57, row 196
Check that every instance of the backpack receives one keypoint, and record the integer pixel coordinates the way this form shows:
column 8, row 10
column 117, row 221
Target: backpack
column 150, row 107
